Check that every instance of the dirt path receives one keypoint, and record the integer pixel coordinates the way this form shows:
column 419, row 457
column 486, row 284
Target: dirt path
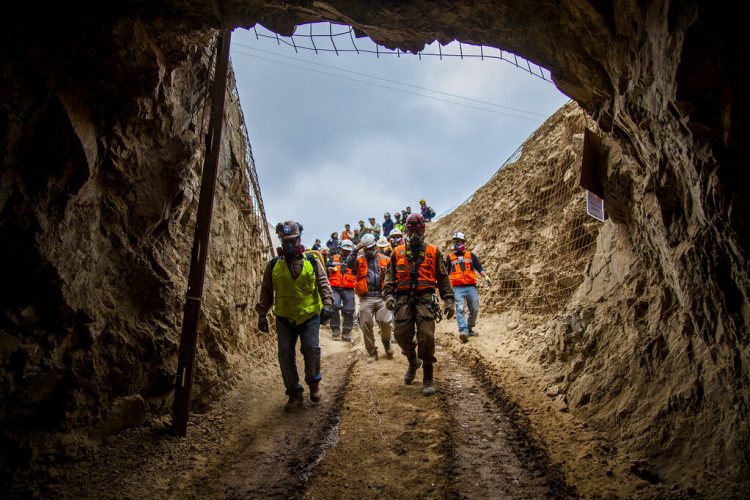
column 396, row 443
column 372, row 436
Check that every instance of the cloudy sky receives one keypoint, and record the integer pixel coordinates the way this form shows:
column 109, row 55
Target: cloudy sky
column 341, row 138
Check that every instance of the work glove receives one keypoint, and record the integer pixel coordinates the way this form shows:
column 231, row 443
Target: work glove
column 449, row 309
column 263, row 323
column 390, row 304
column 326, row 314
column 487, row 280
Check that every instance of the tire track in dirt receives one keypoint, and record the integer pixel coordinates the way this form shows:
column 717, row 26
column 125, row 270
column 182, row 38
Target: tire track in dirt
column 396, row 443
column 492, row 452
column 271, row 452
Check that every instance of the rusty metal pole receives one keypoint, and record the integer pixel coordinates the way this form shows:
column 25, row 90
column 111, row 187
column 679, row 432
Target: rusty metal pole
column 189, row 335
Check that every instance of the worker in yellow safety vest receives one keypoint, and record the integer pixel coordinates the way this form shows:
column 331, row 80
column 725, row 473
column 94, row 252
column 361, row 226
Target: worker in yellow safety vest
column 296, row 285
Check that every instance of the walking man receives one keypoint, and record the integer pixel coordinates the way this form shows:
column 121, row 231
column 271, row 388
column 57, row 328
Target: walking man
column 342, row 281
column 371, row 268
column 398, row 224
column 374, row 227
column 347, row 233
column 303, row 299
column 333, row 243
column 387, row 224
column 415, row 271
column 463, row 267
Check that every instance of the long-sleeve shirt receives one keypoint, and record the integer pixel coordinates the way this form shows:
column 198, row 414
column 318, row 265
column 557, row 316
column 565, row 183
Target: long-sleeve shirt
column 265, row 301
column 443, row 281
column 428, row 213
column 333, row 245
column 374, row 229
column 373, row 273
column 387, row 227
column 474, row 262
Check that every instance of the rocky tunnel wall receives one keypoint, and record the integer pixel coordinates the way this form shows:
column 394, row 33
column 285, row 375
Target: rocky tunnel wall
column 664, row 81
column 102, row 146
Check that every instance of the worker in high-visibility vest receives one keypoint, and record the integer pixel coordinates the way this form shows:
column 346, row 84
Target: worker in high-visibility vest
column 342, row 281
column 370, row 267
column 464, row 267
column 296, row 285
column 416, row 270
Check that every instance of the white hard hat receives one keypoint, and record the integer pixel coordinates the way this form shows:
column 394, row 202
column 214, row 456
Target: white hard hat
column 383, row 242
column 395, row 232
column 347, row 245
column 458, row 235
column 368, row 240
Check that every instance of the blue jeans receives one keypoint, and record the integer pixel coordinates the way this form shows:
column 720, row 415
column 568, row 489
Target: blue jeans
column 466, row 294
column 308, row 333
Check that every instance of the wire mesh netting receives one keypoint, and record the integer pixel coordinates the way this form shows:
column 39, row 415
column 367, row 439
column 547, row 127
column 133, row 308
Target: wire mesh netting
column 558, row 232
column 341, row 39
column 528, row 224
column 254, row 245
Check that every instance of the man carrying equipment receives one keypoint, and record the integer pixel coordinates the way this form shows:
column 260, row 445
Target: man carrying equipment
column 415, row 271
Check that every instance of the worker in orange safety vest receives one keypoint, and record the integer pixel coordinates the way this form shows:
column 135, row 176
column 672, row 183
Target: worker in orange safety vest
column 463, row 267
column 416, row 270
column 371, row 268
column 343, row 280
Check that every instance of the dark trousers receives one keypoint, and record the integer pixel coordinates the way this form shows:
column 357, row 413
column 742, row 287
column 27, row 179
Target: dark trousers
column 343, row 305
column 309, row 335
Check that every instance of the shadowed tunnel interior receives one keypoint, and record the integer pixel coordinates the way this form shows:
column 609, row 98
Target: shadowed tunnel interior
column 101, row 123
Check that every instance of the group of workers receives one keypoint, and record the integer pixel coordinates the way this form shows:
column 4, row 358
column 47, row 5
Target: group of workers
column 396, row 284
column 384, row 232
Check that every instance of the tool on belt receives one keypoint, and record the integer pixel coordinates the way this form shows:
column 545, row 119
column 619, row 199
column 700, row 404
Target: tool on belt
column 434, row 307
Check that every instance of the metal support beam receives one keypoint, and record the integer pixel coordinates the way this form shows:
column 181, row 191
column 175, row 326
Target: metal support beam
column 194, row 296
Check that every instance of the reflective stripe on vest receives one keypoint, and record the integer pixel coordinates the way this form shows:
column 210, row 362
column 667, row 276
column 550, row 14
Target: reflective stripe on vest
column 349, row 279
column 426, row 275
column 462, row 275
column 362, row 269
column 334, row 273
column 296, row 300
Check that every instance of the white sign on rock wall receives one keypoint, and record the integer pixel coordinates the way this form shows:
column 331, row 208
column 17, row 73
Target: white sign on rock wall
column 594, row 206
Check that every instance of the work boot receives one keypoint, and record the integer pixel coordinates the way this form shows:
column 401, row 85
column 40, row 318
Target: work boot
column 411, row 372
column 473, row 333
column 371, row 358
column 336, row 335
column 388, row 349
column 347, row 337
column 427, row 388
column 463, row 336
column 315, row 395
column 294, row 403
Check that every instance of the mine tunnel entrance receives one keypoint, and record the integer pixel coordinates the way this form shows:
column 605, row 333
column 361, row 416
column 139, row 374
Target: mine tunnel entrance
column 628, row 379
column 370, row 169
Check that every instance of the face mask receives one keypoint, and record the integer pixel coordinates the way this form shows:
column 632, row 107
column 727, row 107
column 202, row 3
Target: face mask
column 459, row 247
column 290, row 247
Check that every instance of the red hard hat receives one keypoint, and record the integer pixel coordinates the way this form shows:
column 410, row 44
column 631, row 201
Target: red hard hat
column 415, row 220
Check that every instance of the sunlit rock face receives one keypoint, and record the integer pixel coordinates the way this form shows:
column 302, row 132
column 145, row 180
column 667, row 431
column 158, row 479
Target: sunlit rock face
column 98, row 189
